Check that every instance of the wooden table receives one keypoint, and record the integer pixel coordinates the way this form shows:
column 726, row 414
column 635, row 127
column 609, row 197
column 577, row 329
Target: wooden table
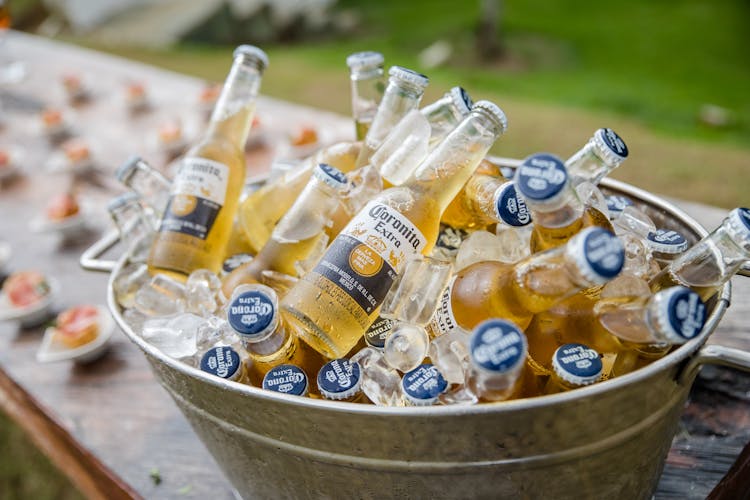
column 109, row 424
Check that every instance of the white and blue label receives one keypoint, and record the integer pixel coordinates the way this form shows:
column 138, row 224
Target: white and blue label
column 604, row 252
column 250, row 313
column 331, row 175
column 286, row 379
column 497, row 345
column 511, row 208
column 579, row 362
column 423, row 384
column 338, row 376
column 443, row 321
column 222, row 361
column 686, row 313
column 541, row 177
column 198, row 193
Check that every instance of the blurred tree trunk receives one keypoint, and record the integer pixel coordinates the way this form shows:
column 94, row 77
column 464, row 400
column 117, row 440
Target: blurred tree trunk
column 488, row 41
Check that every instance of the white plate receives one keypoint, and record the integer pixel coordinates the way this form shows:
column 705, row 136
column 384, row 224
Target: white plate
column 58, row 163
column 30, row 315
column 69, row 226
column 52, row 350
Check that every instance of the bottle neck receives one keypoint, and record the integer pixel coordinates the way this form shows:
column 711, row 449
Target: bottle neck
column 562, row 211
column 367, row 91
column 443, row 117
column 272, row 342
column 449, row 166
column 233, row 115
column 587, row 165
column 398, row 99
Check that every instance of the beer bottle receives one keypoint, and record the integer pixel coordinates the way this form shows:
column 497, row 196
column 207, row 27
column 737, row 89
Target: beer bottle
column 253, row 313
column 574, row 365
column 367, row 84
column 138, row 176
column 485, row 200
column 555, row 208
column 197, row 222
column 423, row 385
column 299, row 234
column 403, row 93
column 604, row 152
column 224, row 362
column 444, row 114
column 134, row 226
column 286, row 379
column 665, row 245
column 341, row 380
column 333, row 305
column 712, row 261
column 497, row 362
column 515, row 292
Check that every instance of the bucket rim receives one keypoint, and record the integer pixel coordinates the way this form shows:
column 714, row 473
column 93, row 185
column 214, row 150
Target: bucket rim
column 679, row 355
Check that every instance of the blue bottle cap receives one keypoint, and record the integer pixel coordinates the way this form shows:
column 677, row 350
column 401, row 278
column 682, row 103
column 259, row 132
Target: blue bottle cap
column 666, row 241
column 679, row 312
column 494, row 112
column 541, row 177
column 511, row 208
column 738, row 225
column 497, row 346
column 409, row 76
column 364, row 60
column 222, row 361
column 577, row 364
column 339, row 379
column 253, row 313
column 617, row 203
column 423, row 385
column 235, row 261
column 286, row 379
column 598, row 253
column 377, row 333
column 330, row 175
column 610, row 146
column 461, row 100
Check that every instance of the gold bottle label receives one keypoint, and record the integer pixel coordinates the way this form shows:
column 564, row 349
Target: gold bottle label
column 198, row 193
column 365, row 258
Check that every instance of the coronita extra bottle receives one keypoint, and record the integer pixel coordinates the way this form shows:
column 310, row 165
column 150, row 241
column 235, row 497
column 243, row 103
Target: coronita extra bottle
column 253, row 313
column 300, row 234
column 712, row 261
column 444, row 114
column 485, row 200
column 333, row 305
column 367, row 84
column 403, row 93
column 604, row 152
column 197, row 222
column 341, row 380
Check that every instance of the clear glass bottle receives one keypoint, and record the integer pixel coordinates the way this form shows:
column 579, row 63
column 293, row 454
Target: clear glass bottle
column 224, row 362
column 253, row 312
column 286, row 379
column 367, row 83
column 515, row 292
column 604, row 152
column 333, row 305
column 665, row 245
column 135, row 228
column 300, row 234
column 198, row 220
column 486, row 200
column 711, row 262
column 444, row 114
column 423, row 385
column 574, row 365
column 140, row 177
column 497, row 362
column 341, row 380
column 403, row 93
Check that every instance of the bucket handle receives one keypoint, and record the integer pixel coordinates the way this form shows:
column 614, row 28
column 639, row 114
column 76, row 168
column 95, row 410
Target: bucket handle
column 714, row 355
column 90, row 258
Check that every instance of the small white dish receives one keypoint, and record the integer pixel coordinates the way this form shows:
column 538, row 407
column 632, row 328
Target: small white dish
column 52, row 350
column 60, row 164
column 67, row 227
column 30, row 315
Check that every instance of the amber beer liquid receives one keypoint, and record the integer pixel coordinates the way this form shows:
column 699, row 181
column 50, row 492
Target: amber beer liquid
column 333, row 305
column 197, row 222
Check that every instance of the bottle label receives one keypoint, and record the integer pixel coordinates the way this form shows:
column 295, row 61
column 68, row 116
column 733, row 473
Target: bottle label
column 198, row 193
column 368, row 254
column 443, row 321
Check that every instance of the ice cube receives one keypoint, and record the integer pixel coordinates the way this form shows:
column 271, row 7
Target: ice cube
column 416, row 292
column 461, row 395
column 450, row 353
column 131, row 277
column 482, row 246
column 203, row 291
column 380, row 383
column 634, row 221
column 406, row 346
column 160, row 296
column 174, row 335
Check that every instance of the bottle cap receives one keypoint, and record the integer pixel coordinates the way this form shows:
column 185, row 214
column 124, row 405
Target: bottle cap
column 461, row 100
column 253, row 52
column 339, row 379
column 598, row 253
column 610, row 147
column 286, row 379
column 122, row 200
column 511, row 208
column 738, row 224
column 222, row 361
column 679, row 313
column 423, row 385
column 364, row 60
column 617, row 203
column 253, row 313
column 125, row 170
column 235, row 261
column 508, row 172
column 666, row 241
column 331, row 176
column 577, row 364
column 377, row 333
column 408, row 76
column 494, row 112
column 497, row 346
column 541, row 177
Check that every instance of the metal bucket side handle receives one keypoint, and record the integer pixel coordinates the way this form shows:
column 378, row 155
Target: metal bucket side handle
column 90, row 259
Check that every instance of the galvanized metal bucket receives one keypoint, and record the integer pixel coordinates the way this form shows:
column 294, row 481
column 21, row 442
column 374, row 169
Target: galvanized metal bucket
column 609, row 440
